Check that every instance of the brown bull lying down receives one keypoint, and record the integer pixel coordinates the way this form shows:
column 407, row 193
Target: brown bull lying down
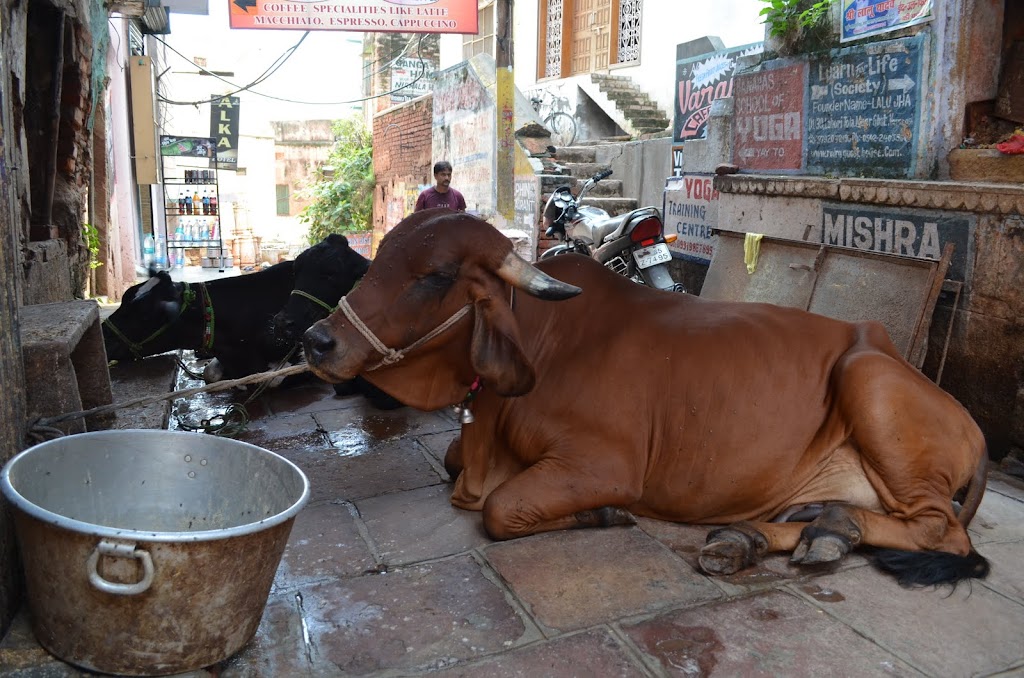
column 740, row 414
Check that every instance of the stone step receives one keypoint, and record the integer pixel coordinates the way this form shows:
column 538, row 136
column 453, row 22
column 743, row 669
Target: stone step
column 650, row 124
column 603, row 77
column 585, row 169
column 640, row 109
column 613, row 206
column 626, row 94
column 606, row 188
column 568, row 154
column 604, row 141
column 65, row 363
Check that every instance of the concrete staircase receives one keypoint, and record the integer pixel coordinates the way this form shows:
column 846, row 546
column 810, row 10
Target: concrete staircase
column 630, row 108
column 573, row 165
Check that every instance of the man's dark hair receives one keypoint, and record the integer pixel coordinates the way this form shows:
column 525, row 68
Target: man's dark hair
column 442, row 166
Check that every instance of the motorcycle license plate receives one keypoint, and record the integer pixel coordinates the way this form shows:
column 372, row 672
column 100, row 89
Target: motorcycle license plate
column 653, row 255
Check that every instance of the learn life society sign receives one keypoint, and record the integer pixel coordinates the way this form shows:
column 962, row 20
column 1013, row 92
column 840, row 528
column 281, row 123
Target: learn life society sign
column 381, row 16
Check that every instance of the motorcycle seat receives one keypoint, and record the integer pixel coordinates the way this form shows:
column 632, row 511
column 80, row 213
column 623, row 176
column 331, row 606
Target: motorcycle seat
column 617, row 226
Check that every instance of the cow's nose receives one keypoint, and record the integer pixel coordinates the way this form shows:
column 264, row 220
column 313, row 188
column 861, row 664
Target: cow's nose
column 317, row 342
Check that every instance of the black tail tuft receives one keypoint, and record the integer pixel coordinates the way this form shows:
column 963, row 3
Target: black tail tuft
column 930, row 568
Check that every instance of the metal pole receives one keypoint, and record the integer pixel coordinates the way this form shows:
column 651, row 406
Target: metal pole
column 505, row 112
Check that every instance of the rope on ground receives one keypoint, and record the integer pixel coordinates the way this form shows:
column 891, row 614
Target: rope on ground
column 229, row 424
column 235, row 418
column 44, row 429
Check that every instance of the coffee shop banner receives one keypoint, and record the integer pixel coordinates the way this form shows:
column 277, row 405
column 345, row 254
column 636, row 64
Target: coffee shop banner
column 379, row 16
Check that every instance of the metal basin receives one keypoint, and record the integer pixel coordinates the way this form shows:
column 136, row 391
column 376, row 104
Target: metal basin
column 150, row 552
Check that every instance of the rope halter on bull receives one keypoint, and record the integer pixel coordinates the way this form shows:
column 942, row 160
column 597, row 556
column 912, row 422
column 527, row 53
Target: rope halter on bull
column 188, row 296
column 392, row 356
column 514, row 270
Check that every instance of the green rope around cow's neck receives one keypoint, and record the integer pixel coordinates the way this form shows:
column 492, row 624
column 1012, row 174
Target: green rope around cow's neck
column 320, row 303
column 208, row 318
column 188, row 295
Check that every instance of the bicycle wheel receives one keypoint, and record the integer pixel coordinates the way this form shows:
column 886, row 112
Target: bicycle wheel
column 563, row 128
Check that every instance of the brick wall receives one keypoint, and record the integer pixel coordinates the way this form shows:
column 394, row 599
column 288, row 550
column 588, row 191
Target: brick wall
column 402, row 146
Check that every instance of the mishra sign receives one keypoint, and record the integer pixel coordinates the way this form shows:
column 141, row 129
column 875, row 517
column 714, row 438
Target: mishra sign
column 381, row 16
column 911, row 233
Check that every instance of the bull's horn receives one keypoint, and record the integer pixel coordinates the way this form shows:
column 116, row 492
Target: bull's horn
column 519, row 273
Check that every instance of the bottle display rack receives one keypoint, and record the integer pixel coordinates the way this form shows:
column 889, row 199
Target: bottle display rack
column 191, row 204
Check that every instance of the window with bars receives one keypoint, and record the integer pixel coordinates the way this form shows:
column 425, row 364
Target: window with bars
column 283, row 202
column 556, row 31
column 483, row 41
column 630, row 12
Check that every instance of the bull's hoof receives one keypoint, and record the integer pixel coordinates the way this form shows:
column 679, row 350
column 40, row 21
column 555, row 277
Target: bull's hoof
column 820, row 548
column 731, row 549
column 725, row 557
column 831, row 536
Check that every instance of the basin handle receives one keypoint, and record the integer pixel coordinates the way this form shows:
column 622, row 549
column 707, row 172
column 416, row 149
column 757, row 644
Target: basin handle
column 115, row 550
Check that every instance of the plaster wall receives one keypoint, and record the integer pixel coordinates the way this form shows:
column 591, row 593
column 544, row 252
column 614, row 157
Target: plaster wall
column 736, row 22
column 124, row 221
column 248, row 198
column 965, row 63
column 641, row 166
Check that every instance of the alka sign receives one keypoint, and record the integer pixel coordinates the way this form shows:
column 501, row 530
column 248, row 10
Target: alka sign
column 379, row 16
column 224, row 128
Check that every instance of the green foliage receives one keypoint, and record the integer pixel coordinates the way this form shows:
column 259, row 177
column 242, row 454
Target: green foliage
column 342, row 199
column 785, row 18
column 92, row 242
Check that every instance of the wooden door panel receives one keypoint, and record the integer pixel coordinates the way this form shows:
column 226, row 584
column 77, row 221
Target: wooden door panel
column 591, row 36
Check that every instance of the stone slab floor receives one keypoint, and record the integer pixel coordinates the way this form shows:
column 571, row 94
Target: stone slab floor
column 383, row 577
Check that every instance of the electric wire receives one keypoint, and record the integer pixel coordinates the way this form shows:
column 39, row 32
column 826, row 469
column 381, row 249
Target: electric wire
column 270, row 70
column 280, row 61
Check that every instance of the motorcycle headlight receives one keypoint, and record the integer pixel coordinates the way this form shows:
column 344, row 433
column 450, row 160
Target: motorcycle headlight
column 555, row 207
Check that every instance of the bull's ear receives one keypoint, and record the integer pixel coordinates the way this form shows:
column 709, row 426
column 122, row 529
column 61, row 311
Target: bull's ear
column 496, row 354
column 172, row 298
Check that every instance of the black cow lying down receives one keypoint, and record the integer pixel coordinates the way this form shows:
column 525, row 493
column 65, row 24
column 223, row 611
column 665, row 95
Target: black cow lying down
column 323, row 275
column 227, row 318
column 232, row 319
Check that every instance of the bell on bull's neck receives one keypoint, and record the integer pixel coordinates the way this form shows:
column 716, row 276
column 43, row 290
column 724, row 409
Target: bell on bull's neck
column 465, row 414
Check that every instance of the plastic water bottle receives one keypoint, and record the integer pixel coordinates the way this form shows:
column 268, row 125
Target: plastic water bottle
column 148, row 250
column 179, row 253
column 161, row 253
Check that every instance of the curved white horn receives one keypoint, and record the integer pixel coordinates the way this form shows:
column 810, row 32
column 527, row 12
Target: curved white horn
column 519, row 273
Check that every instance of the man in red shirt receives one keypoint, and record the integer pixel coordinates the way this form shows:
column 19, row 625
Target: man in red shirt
column 441, row 195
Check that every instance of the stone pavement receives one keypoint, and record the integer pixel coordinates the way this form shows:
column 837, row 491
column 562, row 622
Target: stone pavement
column 383, row 577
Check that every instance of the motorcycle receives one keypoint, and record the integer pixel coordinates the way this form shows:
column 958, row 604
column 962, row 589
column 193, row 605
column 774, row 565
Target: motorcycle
column 633, row 245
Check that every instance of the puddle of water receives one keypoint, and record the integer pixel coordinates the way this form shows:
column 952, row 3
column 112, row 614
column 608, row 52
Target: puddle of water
column 825, row 595
column 752, row 575
column 386, row 427
column 349, row 442
column 363, row 434
column 194, row 409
